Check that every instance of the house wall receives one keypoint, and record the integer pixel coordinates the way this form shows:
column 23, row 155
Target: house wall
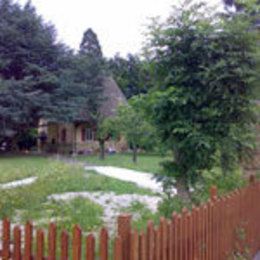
column 92, row 146
column 55, row 144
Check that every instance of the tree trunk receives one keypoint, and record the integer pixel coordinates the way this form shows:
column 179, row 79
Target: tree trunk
column 183, row 190
column 102, row 149
column 134, row 154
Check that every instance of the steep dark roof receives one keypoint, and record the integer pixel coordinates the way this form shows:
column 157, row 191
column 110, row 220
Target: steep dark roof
column 113, row 97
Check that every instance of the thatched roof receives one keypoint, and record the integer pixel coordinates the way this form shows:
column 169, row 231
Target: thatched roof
column 113, row 97
column 110, row 98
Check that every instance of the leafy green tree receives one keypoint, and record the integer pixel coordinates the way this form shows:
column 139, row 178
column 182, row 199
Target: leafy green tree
column 131, row 74
column 132, row 125
column 205, row 68
column 105, row 130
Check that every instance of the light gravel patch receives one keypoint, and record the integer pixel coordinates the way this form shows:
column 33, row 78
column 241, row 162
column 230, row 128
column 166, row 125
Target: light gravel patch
column 111, row 203
column 142, row 179
column 19, row 183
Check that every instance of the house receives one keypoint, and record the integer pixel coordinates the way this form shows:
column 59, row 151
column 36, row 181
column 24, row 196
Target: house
column 80, row 136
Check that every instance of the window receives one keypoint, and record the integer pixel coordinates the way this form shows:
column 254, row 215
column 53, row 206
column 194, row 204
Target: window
column 89, row 134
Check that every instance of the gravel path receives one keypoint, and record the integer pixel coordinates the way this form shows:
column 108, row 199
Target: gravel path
column 15, row 184
column 111, row 203
column 142, row 179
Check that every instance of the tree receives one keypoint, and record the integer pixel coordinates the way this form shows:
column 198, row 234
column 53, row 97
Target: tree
column 30, row 69
column 105, row 131
column 201, row 105
column 90, row 45
column 132, row 125
column 131, row 74
column 93, row 71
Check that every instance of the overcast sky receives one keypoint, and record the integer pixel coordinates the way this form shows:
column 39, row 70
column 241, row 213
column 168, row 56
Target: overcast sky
column 119, row 24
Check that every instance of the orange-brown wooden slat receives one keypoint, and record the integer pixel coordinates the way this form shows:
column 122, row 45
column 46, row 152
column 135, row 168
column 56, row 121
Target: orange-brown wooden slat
column 150, row 241
column 28, row 241
column 178, row 238
column 170, row 240
column 189, row 237
column 134, row 246
column 124, row 231
column 163, row 233
column 17, row 253
column 194, row 224
column 184, row 234
column 52, row 241
column 207, row 257
column 103, row 245
column 76, row 243
column 157, row 246
column 6, row 239
column 64, row 245
column 39, row 244
column 90, row 247
column 142, row 246
column 174, row 234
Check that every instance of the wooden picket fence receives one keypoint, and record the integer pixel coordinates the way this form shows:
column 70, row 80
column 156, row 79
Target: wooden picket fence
column 222, row 228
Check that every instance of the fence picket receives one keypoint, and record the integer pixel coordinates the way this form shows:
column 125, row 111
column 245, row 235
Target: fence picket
column 134, row 246
column 150, row 241
column 142, row 246
column 6, row 239
column 39, row 244
column 157, row 247
column 124, row 231
column 64, row 245
column 103, row 244
column 17, row 254
column 76, row 243
column 163, row 233
column 90, row 247
column 28, row 241
column 52, row 241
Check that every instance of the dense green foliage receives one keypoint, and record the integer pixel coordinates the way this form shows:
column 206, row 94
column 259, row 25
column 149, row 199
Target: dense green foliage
column 205, row 70
column 30, row 60
column 131, row 123
column 40, row 78
column 131, row 73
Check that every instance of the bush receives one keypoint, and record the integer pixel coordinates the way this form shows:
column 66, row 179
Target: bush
column 215, row 177
column 170, row 205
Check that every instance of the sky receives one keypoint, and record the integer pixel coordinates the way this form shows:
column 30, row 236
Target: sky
column 119, row 24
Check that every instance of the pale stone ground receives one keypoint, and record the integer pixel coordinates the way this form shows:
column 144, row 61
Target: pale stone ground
column 142, row 179
column 15, row 184
column 111, row 203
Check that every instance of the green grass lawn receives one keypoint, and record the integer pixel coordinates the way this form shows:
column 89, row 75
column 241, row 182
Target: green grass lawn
column 19, row 167
column 145, row 163
column 30, row 202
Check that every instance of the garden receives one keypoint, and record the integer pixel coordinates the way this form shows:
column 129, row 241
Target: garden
column 91, row 200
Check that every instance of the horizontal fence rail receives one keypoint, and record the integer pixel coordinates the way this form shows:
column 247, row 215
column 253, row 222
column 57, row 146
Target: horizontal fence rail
column 223, row 228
